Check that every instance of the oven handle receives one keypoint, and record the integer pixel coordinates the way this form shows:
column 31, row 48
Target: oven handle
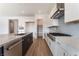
column 14, row 45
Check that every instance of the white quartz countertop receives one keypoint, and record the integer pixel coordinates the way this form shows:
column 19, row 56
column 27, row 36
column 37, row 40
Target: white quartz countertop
column 71, row 44
column 5, row 38
column 72, row 41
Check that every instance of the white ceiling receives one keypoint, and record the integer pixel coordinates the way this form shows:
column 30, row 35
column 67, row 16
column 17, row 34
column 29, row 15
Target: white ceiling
column 24, row 9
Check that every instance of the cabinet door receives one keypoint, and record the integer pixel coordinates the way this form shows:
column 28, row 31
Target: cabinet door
column 58, row 50
column 61, row 51
column 53, row 47
column 1, row 51
column 13, row 48
column 30, row 39
column 24, row 45
column 71, row 12
column 27, row 41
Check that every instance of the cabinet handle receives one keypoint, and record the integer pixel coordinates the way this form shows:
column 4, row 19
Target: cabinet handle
column 14, row 45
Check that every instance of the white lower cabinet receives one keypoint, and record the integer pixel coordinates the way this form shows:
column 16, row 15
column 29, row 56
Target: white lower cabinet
column 63, row 52
column 60, row 51
column 50, row 44
column 52, row 48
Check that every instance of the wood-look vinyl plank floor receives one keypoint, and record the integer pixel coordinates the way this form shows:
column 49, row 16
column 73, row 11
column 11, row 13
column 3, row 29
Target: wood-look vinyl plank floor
column 39, row 48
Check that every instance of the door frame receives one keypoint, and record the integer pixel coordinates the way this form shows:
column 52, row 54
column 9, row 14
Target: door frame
column 15, row 25
column 39, row 23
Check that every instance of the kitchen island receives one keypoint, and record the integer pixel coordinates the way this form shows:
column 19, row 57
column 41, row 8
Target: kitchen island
column 11, row 41
column 5, row 38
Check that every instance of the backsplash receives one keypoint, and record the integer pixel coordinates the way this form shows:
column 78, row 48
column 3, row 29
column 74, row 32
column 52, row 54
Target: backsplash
column 69, row 28
column 53, row 29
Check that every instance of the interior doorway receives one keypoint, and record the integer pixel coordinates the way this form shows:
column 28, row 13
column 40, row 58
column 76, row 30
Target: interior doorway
column 13, row 26
column 39, row 28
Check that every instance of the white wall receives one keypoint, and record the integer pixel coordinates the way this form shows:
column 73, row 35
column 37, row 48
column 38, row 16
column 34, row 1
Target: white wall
column 4, row 23
column 30, row 27
column 22, row 21
column 4, row 29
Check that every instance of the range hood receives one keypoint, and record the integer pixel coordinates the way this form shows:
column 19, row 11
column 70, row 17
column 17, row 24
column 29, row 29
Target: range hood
column 59, row 11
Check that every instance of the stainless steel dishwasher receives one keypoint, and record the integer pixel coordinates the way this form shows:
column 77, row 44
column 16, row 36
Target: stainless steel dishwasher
column 13, row 48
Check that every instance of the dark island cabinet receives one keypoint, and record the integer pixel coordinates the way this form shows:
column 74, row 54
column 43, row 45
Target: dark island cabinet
column 2, row 51
column 26, row 43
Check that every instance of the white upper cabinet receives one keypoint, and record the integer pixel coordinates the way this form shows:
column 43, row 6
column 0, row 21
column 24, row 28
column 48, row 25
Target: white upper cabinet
column 71, row 12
